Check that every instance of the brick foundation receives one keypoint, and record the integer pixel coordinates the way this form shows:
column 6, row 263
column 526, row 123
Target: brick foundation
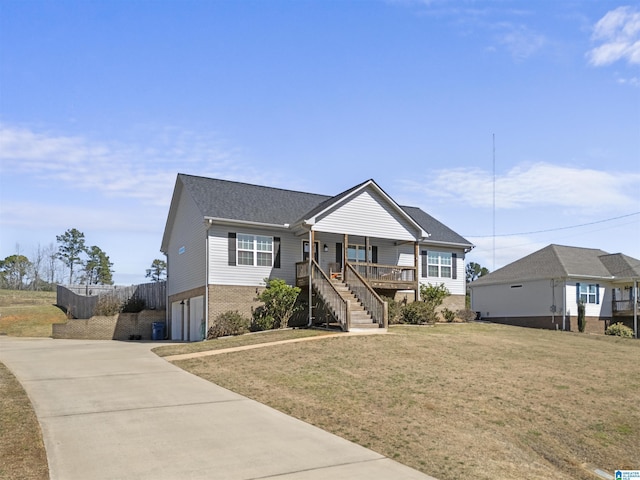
column 593, row 324
column 453, row 303
column 224, row 298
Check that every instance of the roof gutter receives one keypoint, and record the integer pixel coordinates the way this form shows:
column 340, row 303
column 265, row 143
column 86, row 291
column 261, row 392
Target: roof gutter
column 591, row 277
column 211, row 220
column 467, row 246
column 520, row 280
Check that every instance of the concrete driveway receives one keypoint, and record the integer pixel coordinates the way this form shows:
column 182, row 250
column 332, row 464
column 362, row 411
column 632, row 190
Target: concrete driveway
column 114, row 410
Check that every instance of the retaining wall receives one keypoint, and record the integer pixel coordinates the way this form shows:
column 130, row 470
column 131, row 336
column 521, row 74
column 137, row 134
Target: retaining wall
column 116, row 327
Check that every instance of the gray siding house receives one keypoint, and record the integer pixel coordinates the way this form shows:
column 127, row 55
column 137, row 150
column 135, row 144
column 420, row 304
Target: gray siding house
column 543, row 289
column 223, row 238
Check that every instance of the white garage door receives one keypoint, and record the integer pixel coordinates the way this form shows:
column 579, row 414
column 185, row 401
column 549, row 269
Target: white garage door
column 196, row 320
column 176, row 321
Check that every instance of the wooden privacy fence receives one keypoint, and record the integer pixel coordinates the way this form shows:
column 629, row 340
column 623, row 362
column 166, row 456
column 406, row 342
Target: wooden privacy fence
column 81, row 300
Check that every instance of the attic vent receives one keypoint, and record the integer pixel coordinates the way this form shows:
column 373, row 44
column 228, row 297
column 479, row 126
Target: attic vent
column 516, row 286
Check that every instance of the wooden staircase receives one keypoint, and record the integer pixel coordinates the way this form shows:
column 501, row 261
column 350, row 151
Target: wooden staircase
column 360, row 318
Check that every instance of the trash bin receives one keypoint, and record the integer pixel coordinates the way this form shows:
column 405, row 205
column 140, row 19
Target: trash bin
column 157, row 331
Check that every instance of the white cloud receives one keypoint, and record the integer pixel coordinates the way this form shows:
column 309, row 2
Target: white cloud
column 618, row 33
column 538, row 184
column 521, row 41
column 633, row 81
column 145, row 170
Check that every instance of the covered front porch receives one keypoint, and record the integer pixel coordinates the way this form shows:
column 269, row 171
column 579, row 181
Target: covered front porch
column 625, row 299
column 625, row 303
column 346, row 277
column 386, row 265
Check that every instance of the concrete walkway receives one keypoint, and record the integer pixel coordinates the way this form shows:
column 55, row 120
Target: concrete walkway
column 114, row 410
column 208, row 353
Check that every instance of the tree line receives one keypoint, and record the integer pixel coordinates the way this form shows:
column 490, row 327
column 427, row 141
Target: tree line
column 85, row 264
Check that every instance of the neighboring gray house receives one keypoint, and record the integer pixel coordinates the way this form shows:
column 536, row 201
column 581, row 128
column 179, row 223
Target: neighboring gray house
column 223, row 238
column 543, row 289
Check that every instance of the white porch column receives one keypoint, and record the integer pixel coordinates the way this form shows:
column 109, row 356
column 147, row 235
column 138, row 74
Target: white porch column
column 310, row 319
column 416, row 265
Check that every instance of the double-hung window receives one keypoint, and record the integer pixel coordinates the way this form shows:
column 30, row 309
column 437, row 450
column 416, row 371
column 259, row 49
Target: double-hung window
column 439, row 264
column 588, row 293
column 255, row 250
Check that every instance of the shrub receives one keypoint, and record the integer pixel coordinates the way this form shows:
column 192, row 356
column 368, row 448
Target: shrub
column 449, row 315
column 134, row 305
column 582, row 322
column 418, row 313
column 434, row 294
column 107, row 306
column 395, row 310
column 279, row 301
column 228, row 323
column 261, row 320
column 620, row 330
column 466, row 315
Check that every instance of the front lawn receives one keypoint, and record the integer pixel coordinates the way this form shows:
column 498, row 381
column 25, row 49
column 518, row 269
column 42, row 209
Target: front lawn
column 457, row 401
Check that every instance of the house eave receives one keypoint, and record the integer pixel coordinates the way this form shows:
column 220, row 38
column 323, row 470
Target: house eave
column 591, row 277
column 625, row 279
column 466, row 246
column 538, row 279
column 232, row 221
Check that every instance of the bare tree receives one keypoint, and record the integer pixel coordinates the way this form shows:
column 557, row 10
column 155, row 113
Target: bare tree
column 37, row 260
column 51, row 263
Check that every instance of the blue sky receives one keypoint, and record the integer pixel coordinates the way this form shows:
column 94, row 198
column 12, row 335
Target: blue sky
column 103, row 103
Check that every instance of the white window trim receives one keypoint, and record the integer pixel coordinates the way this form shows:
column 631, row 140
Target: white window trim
column 589, row 293
column 439, row 264
column 254, row 250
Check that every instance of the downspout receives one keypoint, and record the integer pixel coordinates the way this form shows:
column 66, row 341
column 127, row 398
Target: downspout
column 168, row 307
column 206, row 280
column 553, row 302
column 635, row 308
column 310, row 319
column 564, row 304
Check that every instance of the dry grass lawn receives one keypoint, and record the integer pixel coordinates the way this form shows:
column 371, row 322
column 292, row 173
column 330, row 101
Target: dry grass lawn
column 28, row 314
column 458, row 401
column 22, row 453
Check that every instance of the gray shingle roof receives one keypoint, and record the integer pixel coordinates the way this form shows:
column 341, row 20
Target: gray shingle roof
column 558, row 261
column 439, row 231
column 251, row 203
column 621, row 265
column 255, row 203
